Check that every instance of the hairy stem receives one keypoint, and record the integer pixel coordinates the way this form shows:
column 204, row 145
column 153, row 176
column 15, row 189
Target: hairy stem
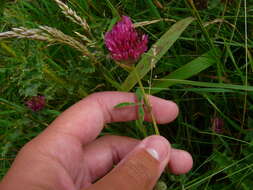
column 147, row 104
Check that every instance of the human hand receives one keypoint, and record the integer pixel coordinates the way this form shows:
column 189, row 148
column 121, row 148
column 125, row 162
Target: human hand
column 68, row 156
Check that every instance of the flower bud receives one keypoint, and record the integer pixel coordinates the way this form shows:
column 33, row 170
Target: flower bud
column 36, row 103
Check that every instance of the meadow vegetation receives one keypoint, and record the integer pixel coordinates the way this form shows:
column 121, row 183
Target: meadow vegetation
column 200, row 56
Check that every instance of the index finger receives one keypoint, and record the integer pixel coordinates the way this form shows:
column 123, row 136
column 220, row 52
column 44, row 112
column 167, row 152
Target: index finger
column 85, row 119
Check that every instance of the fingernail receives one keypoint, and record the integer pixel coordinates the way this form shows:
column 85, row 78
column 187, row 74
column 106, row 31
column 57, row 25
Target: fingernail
column 158, row 147
column 153, row 153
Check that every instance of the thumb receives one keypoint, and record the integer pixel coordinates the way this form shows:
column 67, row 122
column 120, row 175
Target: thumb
column 140, row 169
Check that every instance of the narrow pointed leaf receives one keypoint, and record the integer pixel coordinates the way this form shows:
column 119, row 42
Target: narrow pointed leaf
column 125, row 104
column 210, row 85
column 156, row 52
column 190, row 69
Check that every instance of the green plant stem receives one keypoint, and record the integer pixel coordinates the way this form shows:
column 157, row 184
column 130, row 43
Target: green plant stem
column 147, row 103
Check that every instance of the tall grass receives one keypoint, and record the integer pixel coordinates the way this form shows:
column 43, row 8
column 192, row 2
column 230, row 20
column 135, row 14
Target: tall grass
column 200, row 56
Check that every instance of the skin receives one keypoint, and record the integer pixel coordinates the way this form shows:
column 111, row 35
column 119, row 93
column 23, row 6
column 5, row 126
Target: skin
column 68, row 155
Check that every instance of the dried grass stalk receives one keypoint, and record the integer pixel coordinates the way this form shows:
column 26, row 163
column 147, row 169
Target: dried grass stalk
column 60, row 37
column 71, row 14
column 45, row 33
column 35, row 34
column 145, row 23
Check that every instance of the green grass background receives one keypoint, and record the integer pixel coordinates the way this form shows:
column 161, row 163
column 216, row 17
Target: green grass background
column 204, row 64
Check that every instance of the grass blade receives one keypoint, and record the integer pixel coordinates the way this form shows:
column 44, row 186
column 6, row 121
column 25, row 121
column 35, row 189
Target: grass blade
column 153, row 9
column 206, row 35
column 209, row 84
column 154, row 12
column 115, row 13
column 12, row 105
column 156, row 52
column 190, row 69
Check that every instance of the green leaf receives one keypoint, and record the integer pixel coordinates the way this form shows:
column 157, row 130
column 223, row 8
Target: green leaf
column 190, row 69
column 209, row 84
column 156, row 52
column 205, row 90
column 141, row 113
column 125, row 104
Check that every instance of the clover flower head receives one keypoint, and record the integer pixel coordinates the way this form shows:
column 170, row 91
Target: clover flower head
column 124, row 42
column 36, row 103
